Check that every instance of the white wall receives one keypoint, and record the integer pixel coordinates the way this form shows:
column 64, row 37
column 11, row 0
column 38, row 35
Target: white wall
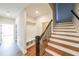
column 21, row 31
column 75, row 20
column 41, row 19
column 45, row 14
column 31, row 29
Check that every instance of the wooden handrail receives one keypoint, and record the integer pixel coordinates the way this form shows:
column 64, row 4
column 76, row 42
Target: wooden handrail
column 45, row 29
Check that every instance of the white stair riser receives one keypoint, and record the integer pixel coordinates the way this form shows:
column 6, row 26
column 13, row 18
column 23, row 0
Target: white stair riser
column 65, row 27
column 65, row 33
column 64, row 30
column 65, row 23
column 52, row 52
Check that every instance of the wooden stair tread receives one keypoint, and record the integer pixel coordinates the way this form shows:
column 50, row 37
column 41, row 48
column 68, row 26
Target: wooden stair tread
column 66, row 46
column 47, row 54
column 69, row 30
column 66, row 31
column 59, row 51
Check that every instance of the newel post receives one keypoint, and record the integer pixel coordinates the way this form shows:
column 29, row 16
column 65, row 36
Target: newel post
column 37, row 41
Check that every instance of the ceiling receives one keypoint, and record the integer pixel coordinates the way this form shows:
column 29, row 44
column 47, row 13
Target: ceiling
column 11, row 9
column 42, row 8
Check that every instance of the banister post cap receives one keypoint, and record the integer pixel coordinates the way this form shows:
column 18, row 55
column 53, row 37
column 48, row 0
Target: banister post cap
column 37, row 37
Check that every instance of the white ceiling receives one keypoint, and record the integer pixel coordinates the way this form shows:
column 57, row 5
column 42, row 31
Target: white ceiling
column 42, row 8
column 11, row 9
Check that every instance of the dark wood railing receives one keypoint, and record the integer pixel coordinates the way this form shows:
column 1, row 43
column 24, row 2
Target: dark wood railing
column 41, row 41
column 75, row 14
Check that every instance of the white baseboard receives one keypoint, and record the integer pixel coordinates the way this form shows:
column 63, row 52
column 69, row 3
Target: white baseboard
column 30, row 45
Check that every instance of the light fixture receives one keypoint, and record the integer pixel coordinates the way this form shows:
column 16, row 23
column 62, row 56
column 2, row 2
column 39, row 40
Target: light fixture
column 36, row 11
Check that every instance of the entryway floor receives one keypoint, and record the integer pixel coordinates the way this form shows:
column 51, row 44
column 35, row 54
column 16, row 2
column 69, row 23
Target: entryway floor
column 10, row 50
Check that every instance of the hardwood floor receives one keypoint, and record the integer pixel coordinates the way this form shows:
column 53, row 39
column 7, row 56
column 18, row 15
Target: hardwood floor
column 31, row 51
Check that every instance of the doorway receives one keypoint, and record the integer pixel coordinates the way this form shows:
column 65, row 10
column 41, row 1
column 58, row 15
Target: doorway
column 9, row 46
column 7, row 34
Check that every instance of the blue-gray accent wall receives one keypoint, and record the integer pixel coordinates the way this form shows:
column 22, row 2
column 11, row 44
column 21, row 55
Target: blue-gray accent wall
column 63, row 12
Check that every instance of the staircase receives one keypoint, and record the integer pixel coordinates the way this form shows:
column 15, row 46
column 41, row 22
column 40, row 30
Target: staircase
column 64, row 41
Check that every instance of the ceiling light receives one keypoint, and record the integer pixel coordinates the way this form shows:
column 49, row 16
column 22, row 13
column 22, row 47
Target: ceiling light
column 8, row 13
column 36, row 12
